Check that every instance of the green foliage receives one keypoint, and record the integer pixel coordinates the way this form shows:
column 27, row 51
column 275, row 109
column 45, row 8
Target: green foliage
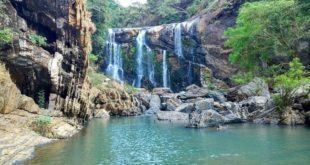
column 93, row 57
column 242, row 78
column 6, row 36
column 41, row 99
column 288, row 84
column 266, row 29
column 211, row 86
column 37, row 39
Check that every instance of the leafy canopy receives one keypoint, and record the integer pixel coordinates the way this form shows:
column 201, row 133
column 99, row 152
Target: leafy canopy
column 266, row 29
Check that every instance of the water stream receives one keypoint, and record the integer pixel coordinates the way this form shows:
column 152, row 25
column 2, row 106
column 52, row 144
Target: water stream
column 144, row 140
column 115, row 66
column 178, row 40
column 139, row 58
column 165, row 70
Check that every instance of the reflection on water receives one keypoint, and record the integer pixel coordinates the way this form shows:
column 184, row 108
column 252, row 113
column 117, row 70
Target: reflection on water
column 143, row 140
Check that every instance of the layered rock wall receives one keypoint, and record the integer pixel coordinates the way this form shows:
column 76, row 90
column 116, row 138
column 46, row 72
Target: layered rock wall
column 58, row 67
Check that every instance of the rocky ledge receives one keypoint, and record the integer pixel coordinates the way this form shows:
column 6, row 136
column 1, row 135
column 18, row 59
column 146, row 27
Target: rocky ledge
column 201, row 107
column 23, row 125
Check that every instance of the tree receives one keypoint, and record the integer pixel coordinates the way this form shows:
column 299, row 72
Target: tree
column 266, row 29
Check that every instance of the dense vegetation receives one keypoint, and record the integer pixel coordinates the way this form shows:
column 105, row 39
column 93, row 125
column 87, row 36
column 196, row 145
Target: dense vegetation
column 267, row 30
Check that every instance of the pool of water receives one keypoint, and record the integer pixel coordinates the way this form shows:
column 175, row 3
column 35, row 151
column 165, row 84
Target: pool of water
column 143, row 140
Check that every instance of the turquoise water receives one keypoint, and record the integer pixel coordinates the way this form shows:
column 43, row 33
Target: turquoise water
column 143, row 140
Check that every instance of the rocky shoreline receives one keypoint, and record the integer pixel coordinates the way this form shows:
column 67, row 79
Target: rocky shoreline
column 202, row 107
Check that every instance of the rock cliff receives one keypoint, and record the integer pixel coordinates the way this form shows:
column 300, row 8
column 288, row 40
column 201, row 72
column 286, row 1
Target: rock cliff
column 57, row 67
column 202, row 37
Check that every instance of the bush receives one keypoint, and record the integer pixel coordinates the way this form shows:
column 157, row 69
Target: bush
column 96, row 78
column 6, row 36
column 289, row 84
column 41, row 124
column 242, row 78
column 37, row 39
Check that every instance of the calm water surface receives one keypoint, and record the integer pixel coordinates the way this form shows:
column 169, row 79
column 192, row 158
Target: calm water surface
column 143, row 140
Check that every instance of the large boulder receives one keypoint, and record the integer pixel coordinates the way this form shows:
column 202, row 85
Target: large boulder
column 205, row 118
column 257, row 87
column 172, row 116
column 155, row 105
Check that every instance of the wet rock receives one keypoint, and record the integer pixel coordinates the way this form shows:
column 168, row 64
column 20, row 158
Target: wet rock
column 172, row 116
column 291, row 117
column 204, row 104
column 257, row 87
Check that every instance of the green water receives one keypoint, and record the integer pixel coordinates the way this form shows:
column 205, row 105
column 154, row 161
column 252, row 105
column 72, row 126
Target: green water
column 143, row 140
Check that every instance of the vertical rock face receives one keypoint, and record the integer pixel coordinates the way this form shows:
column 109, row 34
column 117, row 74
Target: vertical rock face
column 58, row 67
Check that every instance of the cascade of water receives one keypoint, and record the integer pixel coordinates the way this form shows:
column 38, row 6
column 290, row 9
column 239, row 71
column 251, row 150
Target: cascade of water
column 150, row 66
column 165, row 69
column 115, row 66
column 139, row 58
column 178, row 40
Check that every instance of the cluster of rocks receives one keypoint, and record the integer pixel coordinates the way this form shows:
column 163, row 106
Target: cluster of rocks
column 201, row 107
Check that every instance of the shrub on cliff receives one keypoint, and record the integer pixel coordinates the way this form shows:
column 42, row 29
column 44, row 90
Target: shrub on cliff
column 291, row 85
column 6, row 36
column 37, row 39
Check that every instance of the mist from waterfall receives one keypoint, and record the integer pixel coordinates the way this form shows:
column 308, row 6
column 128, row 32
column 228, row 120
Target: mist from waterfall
column 150, row 66
column 115, row 66
column 139, row 58
column 178, row 40
column 165, row 70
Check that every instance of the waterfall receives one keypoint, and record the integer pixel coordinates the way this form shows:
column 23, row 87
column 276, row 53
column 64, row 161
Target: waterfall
column 139, row 58
column 150, row 66
column 115, row 66
column 165, row 69
column 178, row 40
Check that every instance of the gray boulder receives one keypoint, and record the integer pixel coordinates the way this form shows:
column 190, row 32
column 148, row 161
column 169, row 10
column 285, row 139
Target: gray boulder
column 204, row 104
column 185, row 108
column 217, row 96
column 161, row 91
column 155, row 104
column 257, row 87
column 205, row 118
column 193, row 91
column 172, row 104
